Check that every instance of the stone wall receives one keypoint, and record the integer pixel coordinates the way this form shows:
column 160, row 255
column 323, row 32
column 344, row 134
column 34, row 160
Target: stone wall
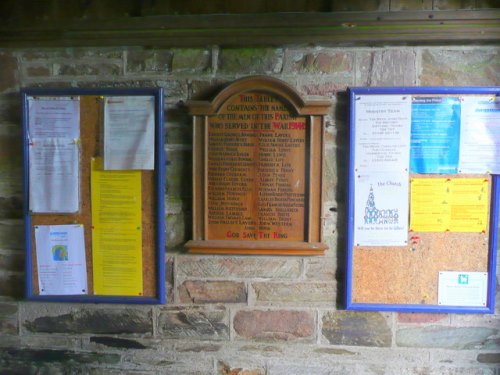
column 255, row 315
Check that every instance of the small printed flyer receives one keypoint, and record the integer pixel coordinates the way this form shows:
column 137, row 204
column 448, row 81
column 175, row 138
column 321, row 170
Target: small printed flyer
column 480, row 138
column 463, row 288
column 60, row 254
column 381, row 209
column 382, row 136
column 435, row 134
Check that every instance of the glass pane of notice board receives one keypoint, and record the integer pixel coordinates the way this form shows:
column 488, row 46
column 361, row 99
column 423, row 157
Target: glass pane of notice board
column 94, row 195
column 424, row 197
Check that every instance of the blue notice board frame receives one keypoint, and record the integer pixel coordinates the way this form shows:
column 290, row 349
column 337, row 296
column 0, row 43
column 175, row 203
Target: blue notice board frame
column 494, row 210
column 158, row 217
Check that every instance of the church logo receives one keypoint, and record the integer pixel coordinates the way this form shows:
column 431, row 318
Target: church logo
column 373, row 215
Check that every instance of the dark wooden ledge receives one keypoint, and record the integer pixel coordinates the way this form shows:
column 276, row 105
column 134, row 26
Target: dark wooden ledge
column 271, row 29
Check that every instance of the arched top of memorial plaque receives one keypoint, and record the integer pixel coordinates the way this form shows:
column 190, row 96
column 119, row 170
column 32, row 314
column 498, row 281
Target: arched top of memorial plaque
column 269, row 85
column 257, row 165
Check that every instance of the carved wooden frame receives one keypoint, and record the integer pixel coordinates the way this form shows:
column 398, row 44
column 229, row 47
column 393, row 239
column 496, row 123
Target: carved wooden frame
column 314, row 111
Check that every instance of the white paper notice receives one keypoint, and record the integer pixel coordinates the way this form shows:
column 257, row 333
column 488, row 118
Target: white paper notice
column 60, row 255
column 54, row 118
column 381, row 209
column 463, row 288
column 54, row 175
column 129, row 131
column 480, row 135
column 382, row 136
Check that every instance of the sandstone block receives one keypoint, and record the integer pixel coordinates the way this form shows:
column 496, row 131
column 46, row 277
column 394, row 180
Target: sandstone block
column 250, row 60
column 238, row 267
column 421, row 317
column 302, row 293
column 149, row 61
column 319, row 62
column 192, row 60
column 446, row 67
column 386, row 68
column 194, row 291
column 274, row 325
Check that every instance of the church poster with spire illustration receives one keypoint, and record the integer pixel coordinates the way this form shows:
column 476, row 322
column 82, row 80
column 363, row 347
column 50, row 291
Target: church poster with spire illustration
column 381, row 205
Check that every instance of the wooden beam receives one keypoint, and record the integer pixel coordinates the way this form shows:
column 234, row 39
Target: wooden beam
column 339, row 28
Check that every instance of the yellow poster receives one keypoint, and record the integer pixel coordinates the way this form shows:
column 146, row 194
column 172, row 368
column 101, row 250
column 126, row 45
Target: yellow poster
column 469, row 205
column 116, row 231
column 449, row 204
column 429, row 204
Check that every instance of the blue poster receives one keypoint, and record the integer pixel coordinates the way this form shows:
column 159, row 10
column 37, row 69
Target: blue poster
column 435, row 134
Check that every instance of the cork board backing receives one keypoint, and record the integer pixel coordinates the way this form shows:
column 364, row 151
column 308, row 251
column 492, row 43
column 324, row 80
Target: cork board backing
column 409, row 274
column 90, row 119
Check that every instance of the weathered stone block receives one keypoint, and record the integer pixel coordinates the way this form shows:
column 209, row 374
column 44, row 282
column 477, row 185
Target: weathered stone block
column 119, row 83
column 444, row 337
column 11, row 208
column 421, row 317
column 293, row 367
column 454, row 4
column 356, row 328
column 10, row 120
column 115, row 342
column 445, row 67
column 238, row 267
column 191, row 60
column 400, row 5
column 194, row 323
column 8, row 318
column 45, row 54
column 322, row 62
column 386, row 68
column 176, row 234
column 102, row 321
column 394, row 369
column 194, row 291
column 12, row 285
column 11, row 235
column 185, row 347
column 489, row 358
column 322, row 269
column 100, row 53
column 169, row 279
column 56, row 356
column 11, row 166
column 204, row 89
column 327, row 88
column 226, row 369
column 302, row 293
column 250, row 60
column 39, row 71
column 88, row 69
column 178, row 173
column 274, row 325
column 179, row 135
column 12, row 261
column 9, row 72
column 149, row 61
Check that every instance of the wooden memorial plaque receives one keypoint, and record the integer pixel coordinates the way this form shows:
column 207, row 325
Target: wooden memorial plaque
column 257, row 170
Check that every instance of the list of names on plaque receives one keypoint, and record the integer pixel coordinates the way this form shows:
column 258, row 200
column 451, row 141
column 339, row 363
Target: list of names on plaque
column 256, row 170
